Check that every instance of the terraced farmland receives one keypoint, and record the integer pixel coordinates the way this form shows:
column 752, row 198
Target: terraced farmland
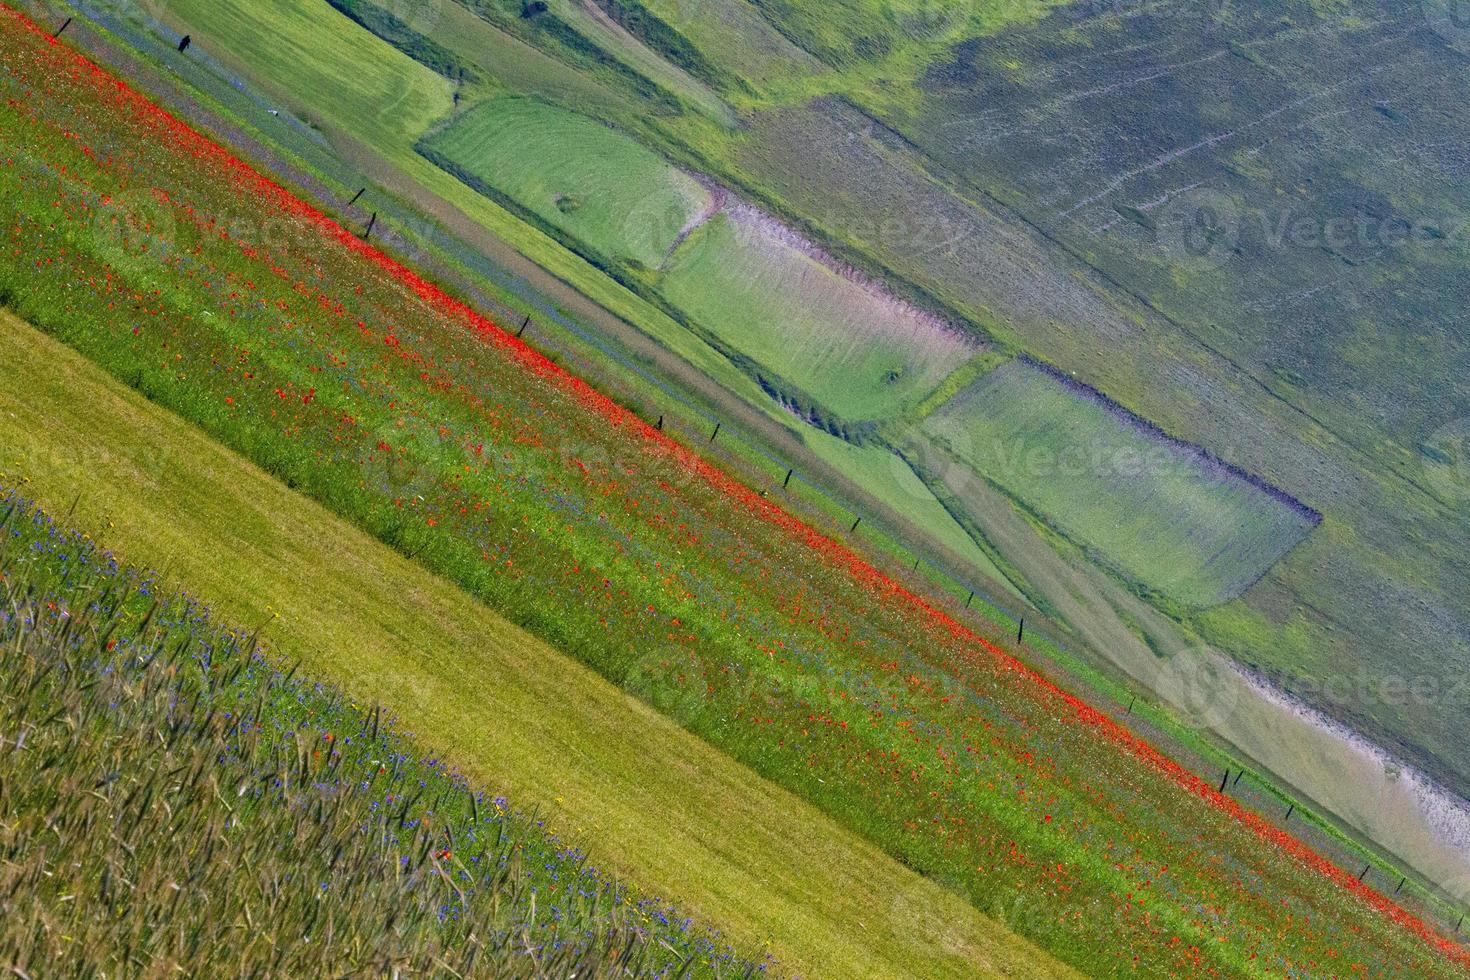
column 823, row 340
column 1377, row 589
column 359, row 383
column 1164, row 513
column 622, row 201
column 952, row 129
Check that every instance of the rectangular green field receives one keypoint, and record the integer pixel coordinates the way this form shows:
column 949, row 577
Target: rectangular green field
column 1164, row 514
column 602, row 187
column 855, row 351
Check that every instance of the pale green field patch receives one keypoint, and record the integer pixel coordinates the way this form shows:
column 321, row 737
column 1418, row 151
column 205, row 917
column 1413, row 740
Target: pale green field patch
column 324, row 57
column 894, row 483
column 576, row 175
column 857, row 352
column 1159, row 512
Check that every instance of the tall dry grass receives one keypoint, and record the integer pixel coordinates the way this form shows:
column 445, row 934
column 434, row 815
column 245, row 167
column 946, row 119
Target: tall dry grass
column 171, row 803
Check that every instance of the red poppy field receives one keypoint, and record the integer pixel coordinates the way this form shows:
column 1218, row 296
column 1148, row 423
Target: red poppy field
column 162, row 257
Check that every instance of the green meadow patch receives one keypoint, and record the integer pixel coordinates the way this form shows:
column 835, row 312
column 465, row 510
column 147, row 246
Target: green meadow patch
column 894, row 483
column 1165, row 514
column 856, row 352
column 583, row 179
column 727, row 39
column 383, row 91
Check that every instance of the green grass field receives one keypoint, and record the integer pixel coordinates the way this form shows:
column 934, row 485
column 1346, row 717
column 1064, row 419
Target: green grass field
column 506, row 709
column 1161, row 514
column 593, row 24
column 735, row 39
column 622, row 200
column 855, row 352
column 308, row 818
column 515, row 66
column 896, row 485
column 382, row 90
column 1390, row 544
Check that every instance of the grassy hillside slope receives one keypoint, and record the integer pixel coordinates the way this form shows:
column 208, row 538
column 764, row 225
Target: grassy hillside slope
column 354, row 378
column 382, row 89
column 653, row 801
column 319, row 839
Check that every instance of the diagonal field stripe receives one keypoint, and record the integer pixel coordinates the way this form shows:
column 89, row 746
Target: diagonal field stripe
column 653, row 802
